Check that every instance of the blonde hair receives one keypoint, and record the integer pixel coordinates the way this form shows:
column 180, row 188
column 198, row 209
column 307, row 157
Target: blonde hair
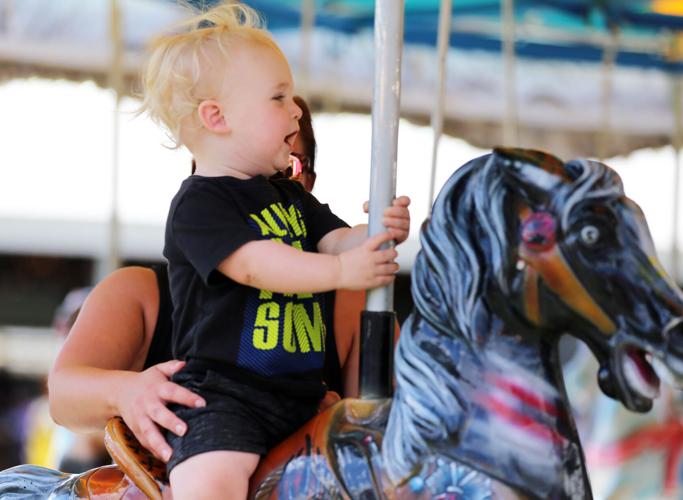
column 173, row 81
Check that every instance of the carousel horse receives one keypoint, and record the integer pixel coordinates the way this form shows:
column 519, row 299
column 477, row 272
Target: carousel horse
column 520, row 249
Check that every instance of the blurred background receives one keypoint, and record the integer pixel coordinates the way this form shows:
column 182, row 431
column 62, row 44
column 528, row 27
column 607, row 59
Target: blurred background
column 86, row 183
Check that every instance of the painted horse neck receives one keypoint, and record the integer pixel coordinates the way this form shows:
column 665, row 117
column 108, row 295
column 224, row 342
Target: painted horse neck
column 510, row 419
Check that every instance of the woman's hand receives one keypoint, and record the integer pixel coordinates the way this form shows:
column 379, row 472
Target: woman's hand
column 142, row 405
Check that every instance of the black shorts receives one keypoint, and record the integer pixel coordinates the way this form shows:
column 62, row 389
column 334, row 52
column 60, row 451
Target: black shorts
column 237, row 417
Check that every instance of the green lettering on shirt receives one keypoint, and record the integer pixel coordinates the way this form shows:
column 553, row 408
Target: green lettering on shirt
column 288, row 343
column 265, row 335
column 291, row 218
column 309, row 333
column 296, row 220
column 267, row 224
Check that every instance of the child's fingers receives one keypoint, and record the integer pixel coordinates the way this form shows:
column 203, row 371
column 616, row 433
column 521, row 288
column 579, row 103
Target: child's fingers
column 388, row 269
column 401, row 201
column 385, row 256
column 378, row 240
column 382, row 281
column 396, row 223
column 396, row 211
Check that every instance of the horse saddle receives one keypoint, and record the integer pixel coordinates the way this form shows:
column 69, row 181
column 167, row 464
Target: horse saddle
column 142, row 468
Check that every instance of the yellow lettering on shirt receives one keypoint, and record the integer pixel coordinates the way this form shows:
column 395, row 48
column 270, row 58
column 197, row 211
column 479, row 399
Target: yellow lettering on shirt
column 267, row 224
column 266, row 326
column 299, row 331
column 287, row 338
column 291, row 319
column 292, row 218
column 309, row 333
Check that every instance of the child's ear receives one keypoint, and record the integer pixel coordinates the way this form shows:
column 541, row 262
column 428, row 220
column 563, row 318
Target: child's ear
column 211, row 116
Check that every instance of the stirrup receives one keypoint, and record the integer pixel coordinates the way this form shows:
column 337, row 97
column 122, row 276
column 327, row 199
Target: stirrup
column 146, row 471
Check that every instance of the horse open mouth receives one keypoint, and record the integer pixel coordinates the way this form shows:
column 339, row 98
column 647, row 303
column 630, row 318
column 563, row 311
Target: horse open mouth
column 639, row 374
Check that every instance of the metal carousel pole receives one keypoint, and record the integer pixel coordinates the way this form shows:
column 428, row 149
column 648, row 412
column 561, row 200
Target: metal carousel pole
column 608, row 61
column 377, row 321
column 443, row 41
column 307, row 26
column 510, row 129
column 676, row 143
column 112, row 259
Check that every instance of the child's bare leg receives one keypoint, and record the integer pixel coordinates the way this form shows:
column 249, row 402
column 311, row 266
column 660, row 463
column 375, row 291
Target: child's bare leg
column 215, row 474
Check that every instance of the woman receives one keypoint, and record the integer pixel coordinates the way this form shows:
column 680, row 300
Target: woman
column 117, row 358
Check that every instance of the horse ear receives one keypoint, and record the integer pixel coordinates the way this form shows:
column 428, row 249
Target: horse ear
column 535, row 172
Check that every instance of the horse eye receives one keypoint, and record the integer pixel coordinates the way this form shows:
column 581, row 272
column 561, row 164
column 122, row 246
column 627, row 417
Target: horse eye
column 590, row 235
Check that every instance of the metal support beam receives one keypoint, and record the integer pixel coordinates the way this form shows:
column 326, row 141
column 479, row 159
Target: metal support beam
column 445, row 15
column 113, row 260
column 510, row 128
column 376, row 363
column 608, row 59
column 303, row 84
column 676, row 143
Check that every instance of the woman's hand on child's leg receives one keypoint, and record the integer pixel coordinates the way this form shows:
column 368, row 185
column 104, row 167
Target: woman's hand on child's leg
column 142, row 405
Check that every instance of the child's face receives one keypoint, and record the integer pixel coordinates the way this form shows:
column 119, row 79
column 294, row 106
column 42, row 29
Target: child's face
column 259, row 109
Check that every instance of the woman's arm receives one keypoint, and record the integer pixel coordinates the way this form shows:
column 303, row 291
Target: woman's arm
column 95, row 375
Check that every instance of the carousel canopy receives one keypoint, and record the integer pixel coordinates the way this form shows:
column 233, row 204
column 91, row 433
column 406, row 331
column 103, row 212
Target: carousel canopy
column 564, row 97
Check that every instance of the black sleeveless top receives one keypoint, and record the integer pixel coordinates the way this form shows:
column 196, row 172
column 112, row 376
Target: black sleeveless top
column 160, row 347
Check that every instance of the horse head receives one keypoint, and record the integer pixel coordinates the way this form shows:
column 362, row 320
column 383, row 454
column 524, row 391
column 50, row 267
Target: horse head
column 583, row 262
column 520, row 249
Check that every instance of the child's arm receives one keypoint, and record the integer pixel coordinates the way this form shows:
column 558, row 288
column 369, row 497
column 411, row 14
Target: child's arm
column 396, row 219
column 269, row 265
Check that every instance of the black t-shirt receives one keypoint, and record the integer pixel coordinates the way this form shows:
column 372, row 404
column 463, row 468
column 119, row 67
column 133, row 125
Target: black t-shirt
column 262, row 337
column 160, row 345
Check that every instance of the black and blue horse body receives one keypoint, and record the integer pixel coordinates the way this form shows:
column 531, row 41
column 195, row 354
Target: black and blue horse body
column 520, row 249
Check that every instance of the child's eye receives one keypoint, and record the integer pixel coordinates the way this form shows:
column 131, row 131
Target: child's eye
column 279, row 97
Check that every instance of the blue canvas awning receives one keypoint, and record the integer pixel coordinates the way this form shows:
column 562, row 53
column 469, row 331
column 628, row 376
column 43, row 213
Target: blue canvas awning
column 634, row 19
column 559, row 44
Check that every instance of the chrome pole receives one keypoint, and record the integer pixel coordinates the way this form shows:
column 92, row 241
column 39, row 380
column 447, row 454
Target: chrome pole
column 445, row 15
column 377, row 321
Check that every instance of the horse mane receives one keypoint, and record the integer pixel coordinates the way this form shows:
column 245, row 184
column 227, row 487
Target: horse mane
column 467, row 245
column 448, row 275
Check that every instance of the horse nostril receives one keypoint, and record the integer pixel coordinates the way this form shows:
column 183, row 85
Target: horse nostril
column 673, row 333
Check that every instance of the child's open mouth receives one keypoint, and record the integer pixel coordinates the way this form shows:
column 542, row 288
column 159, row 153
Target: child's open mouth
column 289, row 139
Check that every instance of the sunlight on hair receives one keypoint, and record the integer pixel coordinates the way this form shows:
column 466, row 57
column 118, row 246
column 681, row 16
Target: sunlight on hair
column 173, row 81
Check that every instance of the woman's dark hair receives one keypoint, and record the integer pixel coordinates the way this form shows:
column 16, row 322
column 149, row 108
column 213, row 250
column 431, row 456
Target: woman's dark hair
column 306, row 132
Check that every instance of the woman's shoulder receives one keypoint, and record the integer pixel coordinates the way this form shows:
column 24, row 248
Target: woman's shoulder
column 133, row 288
column 135, row 280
